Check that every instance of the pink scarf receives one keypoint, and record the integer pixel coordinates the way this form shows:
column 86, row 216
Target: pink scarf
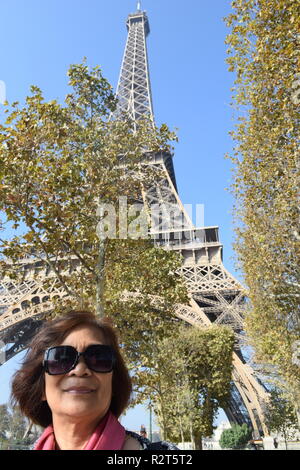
column 108, row 435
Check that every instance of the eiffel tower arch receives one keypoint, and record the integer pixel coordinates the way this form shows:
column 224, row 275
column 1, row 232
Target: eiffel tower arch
column 216, row 296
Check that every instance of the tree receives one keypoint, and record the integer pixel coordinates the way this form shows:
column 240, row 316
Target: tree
column 61, row 166
column 4, row 421
column 12, row 428
column 188, row 379
column 61, row 169
column 280, row 416
column 264, row 53
column 64, row 171
column 17, row 426
column 236, row 437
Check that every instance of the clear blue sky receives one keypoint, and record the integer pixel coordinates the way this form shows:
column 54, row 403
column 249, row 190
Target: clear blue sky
column 189, row 77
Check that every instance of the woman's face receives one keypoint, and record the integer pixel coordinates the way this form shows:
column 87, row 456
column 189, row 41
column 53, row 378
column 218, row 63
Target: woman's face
column 81, row 393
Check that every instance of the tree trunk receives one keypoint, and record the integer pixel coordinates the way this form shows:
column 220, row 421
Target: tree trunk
column 27, row 432
column 100, row 279
column 297, row 410
column 192, row 436
column 198, row 442
column 298, row 416
column 285, row 440
column 160, row 414
column 181, row 429
column 163, row 422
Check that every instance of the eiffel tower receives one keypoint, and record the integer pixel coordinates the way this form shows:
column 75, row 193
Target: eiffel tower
column 215, row 295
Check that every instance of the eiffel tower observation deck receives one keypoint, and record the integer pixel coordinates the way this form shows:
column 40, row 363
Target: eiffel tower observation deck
column 216, row 296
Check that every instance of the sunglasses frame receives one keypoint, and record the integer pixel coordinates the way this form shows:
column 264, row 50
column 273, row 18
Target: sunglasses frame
column 75, row 362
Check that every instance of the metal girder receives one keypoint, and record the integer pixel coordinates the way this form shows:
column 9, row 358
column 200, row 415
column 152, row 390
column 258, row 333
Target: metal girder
column 209, row 278
column 19, row 335
column 30, row 299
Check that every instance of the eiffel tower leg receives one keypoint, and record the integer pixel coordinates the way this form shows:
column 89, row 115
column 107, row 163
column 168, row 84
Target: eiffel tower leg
column 252, row 393
column 22, row 306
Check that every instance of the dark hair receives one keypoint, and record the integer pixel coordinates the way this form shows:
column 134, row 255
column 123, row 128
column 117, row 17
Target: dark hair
column 28, row 383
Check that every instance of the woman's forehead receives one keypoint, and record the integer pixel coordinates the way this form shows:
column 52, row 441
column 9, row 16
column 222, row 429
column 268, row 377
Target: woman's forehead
column 84, row 335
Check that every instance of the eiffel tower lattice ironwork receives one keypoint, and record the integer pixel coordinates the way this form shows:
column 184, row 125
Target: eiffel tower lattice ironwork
column 216, row 296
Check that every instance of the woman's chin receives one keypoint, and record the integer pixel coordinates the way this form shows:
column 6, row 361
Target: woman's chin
column 79, row 407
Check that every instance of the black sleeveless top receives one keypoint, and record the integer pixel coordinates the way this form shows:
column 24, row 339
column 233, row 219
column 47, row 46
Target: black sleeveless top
column 147, row 445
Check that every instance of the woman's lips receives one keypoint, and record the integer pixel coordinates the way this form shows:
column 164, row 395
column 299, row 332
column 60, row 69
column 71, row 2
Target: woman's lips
column 78, row 391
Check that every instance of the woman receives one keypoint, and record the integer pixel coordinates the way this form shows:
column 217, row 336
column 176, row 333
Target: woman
column 75, row 384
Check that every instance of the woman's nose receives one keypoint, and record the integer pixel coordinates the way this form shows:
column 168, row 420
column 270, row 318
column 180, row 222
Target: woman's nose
column 81, row 368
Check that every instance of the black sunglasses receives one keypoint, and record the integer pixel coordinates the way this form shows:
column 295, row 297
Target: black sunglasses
column 61, row 359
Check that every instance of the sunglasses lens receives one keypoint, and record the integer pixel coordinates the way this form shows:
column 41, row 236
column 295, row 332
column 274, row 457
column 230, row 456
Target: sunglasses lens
column 60, row 359
column 99, row 358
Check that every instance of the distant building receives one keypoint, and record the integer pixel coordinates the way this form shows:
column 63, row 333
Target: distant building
column 212, row 443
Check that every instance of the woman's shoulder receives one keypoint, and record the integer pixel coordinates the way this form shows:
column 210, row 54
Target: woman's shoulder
column 131, row 442
column 145, row 444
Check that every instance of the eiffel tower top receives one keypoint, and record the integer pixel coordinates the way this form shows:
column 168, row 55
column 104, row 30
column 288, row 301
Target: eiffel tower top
column 134, row 88
column 139, row 17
